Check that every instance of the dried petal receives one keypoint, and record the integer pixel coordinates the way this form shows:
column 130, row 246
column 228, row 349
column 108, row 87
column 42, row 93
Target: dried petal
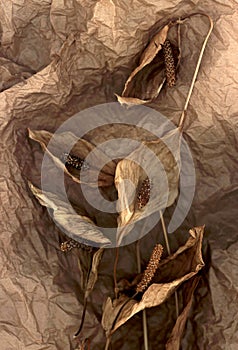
column 78, row 227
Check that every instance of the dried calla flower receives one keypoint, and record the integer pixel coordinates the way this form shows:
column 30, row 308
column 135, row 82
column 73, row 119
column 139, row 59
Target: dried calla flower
column 56, row 144
column 134, row 206
column 151, row 268
column 157, row 64
column 169, row 64
column 188, row 255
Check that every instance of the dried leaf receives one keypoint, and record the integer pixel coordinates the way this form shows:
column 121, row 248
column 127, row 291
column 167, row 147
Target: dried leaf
column 90, row 282
column 82, row 266
column 175, row 338
column 130, row 100
column 164, row 174
column 93, row 276
column 189, row 259
column 110, row 311
column 78, row 227
column 56, row 145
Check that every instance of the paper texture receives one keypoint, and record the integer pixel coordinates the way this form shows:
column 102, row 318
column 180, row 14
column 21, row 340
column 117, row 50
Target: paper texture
column 58, row 58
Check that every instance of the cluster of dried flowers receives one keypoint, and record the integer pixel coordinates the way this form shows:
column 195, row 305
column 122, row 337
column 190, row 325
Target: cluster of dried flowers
column 79, row 227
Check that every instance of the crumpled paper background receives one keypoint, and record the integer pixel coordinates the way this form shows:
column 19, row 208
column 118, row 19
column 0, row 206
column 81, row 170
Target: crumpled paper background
column 58, row 58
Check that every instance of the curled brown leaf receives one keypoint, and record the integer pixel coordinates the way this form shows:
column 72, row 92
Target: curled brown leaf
column 76, row 226
column 175, row 338
column 93, row 275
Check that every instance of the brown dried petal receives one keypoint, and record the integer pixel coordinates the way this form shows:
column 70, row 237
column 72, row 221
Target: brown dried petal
column 77, row 227
column 175, row 338
column 93, row 276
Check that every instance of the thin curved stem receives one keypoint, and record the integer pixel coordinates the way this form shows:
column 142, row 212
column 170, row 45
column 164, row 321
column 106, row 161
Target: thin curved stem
column 169, row 252
column 115, row 272
column 145, row 331
column 108, row 342
column 85, row 301
column 82, row 319
column 182, row 117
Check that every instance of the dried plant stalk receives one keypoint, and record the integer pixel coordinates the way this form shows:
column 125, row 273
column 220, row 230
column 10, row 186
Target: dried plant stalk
column 151, row 268
column 145, row 329
column 182, row 117
column 84, row 344
column 116, row 290
column 169, row 63
column 169, row 252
